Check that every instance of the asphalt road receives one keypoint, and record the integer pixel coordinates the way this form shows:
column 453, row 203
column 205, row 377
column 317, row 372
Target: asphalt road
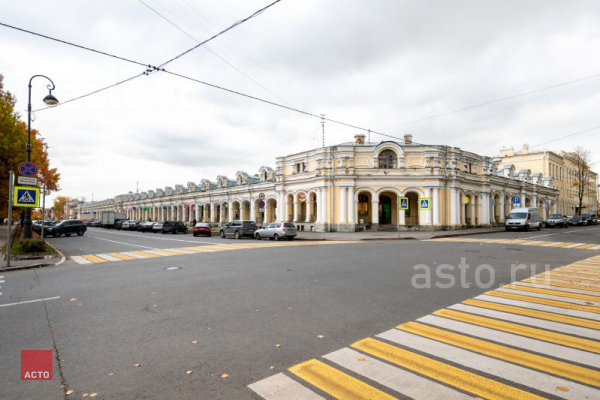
column 253, row 312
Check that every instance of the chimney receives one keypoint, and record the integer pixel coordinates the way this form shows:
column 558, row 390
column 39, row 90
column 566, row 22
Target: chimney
column 359, row 139
column 525, row 148
column 408, row 139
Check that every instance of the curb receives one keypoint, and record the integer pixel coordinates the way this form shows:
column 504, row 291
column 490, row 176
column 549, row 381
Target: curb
column 63, row 258
column 466, row 234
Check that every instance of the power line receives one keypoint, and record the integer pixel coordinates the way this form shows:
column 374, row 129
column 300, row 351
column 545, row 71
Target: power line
column 75, row 45
column 256, row 13
column 211, row 51
column 492, row 101
column 567, row 136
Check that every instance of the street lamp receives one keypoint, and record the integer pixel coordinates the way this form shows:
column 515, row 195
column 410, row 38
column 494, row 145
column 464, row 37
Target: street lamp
column 51, row 101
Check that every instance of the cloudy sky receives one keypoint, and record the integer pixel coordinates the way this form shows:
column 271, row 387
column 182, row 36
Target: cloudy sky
column 378, row 64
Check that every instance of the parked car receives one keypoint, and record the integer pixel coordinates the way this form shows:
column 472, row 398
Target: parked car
column 202, row 228
column 238, row 229
column 157, row 227
column 66, row 227
column 276, row 231
column 119, row 223
column 591, row 219
column 146, row 226
column 577, row 220
column 558, row 220
column 125, row 224
column 525, row 218
column 174, row 227
column 96, row 224
column 133, row 225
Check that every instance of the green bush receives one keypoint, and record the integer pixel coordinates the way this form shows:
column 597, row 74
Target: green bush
column 33, row 246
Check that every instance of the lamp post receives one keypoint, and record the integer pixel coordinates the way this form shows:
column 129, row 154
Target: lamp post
column 51, row 101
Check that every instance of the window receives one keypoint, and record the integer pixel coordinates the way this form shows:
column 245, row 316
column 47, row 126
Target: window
column 387, row 159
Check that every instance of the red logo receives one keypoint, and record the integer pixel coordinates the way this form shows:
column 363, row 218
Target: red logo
column 36, row 365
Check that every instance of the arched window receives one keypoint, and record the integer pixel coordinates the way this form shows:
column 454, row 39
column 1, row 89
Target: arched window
column 388, row 159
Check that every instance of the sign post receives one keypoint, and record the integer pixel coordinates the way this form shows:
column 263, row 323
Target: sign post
column 425, row 204
column 11, row 179
column 43, row 210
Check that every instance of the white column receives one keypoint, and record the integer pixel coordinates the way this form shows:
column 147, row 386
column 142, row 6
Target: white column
column 319, row 215
column 351, row 206
column 197, row 212
column 485, row 205
column 436, row 206
column 212, row 212
column 502, row 210
column 375, row 211
column 463, row 209
column 253, row 210
column 425, row 215
column 229, row 211
column 453, row 207
column 309, row 208
column 343, row 205
column 296, row 212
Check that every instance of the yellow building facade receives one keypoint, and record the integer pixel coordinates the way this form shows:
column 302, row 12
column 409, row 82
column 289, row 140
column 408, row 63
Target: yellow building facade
column 353, row 186
column 561, row 168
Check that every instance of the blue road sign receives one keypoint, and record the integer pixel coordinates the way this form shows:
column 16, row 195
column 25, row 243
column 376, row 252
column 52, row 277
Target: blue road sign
column 26, row 196
column 425, row 203
column 516, row 200
column 28, row 169
column 404, row 203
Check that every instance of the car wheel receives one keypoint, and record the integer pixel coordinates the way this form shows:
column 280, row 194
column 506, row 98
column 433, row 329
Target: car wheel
column 539, row 227
column 194, row 235
column 67, row 234
column 236, row 235
column 80, row 232
column 527, row 228
column 290, row 238
column 276, row 237
column 222, row 234
column 257, row 236
column 163, row 232
column 55, row 234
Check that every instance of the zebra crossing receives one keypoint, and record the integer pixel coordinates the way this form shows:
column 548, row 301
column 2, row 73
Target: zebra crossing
column 180, row 251
column 532, row 339
column 523, row 242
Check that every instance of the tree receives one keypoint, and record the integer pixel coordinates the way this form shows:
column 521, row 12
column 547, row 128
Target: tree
column 59, row 206
column 582, row 159
column 13, row 149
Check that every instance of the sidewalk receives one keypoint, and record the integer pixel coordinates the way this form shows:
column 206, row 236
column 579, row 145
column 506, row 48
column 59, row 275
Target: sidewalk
column 389, row 235
column 21, row 264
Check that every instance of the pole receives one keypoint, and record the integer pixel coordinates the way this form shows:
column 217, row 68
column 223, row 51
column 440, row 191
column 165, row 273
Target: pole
column 27, row 234
column 43, row 209
column 10, row 203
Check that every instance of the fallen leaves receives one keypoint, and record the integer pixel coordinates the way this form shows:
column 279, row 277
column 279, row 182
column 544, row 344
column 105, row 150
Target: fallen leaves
column 111, row 374
column 69, row 392
column 189, row 372
column 93, row 394
column 86, row 395
column 224, row 376
column 563, row 388
column 194, row 342
column 137, row 365
column 74, row 299
column 278, row 345
column 320, row 336
column 361, row 359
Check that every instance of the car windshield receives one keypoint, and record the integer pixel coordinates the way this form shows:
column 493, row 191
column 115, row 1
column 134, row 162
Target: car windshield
column 586, row 215
column 517, row 216
column 289, row 225
column 556, row 216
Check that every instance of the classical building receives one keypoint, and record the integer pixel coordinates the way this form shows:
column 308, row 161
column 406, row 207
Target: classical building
column 349, row 187
column 562, row 168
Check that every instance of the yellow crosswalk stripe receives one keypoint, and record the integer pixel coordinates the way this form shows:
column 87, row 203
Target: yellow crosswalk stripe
column 539, row 243
column 515, row 356
column 166, row 252
column 571, row 274
column 122, row 256
column 144, row 254
column 93, row 258
column 586, row 323
column 587, row 246
column 566, row 278
column 540, row 334
column 546, row 302
column 559, row 285
column 554, row 292
column 459, row 378
column 336, row 383
column 588, row 271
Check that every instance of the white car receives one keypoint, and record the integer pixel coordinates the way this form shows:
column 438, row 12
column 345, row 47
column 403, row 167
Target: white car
column 276, row 231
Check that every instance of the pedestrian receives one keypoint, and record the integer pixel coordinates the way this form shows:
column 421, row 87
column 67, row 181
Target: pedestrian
column 194, row 222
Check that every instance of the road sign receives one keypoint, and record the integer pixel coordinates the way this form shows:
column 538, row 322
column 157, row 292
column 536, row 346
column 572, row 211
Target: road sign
column 262, row 196
column 403, row 203
column 516, row 200
column 25, row 180
column 425, row 203
column 26, row 196
column 261, row 204
column 28, row 169
column 492, row 202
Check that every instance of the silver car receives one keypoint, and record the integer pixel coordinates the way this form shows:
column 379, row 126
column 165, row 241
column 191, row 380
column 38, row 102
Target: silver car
column 276, row 231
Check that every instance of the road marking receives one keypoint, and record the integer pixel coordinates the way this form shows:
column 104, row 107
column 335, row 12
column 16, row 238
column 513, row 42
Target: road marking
column 133, row 255
column 108, row 257
column 281, row 387
column 533, row 313
column 127, row 244
column 154, row 237
column 524, row 242
column 566, row 278
column 561, row 289
column 397, row 379
column 587, row 246
column 555, row 292
column 29, row 301
column 500, row 368
column 336, row 383
column 159, row 253
column 595, row 248
column 145, row 254
column 549, row 282
column 581, row 270
column 542, row 299
column 574, row 245
column 571, row 275
column 446, row 373
column 122, row 256
column 80, row 260
column 93, row 258
column 550, row 297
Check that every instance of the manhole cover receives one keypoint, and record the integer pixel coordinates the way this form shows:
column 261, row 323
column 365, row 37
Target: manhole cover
column 172, row 268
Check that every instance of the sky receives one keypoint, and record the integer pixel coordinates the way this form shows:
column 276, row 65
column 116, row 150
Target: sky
column 380, row 65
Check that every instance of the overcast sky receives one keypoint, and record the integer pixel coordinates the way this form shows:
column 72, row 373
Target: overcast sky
column 376, row 64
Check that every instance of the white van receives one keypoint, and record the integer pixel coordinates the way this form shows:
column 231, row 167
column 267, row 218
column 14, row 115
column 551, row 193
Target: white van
column 525, row 218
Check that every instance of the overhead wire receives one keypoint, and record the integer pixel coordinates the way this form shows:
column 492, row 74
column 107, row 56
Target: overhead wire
column 567, row 136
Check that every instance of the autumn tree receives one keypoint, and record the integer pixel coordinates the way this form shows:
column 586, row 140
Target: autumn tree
column 13, row 149
column 582, row 159
column 59, row 206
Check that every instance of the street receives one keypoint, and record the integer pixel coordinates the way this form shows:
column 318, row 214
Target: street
column 242, row 312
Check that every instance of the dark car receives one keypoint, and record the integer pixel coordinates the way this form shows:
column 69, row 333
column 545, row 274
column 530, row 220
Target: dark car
column 591, row 219
column 577, row 220
column 119, row 223
column 146, row 226
column 67, row 228
column 238, row 229
column 202, row 228
column 133, row 225
column 174, row 227
column 96, row 224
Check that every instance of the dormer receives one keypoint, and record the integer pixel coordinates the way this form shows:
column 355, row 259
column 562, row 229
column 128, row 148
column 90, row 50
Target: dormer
column 143, row 195
column 179, row 189
column 222, row 181
column 191, row 187
column 169, row 191
column 151, row 194
column 266, row 174
column 525, row 175
column 160, row 192
column 205, row 184
column 508, row 171
column 537, row 178
column 241, row 178
column 547, row 181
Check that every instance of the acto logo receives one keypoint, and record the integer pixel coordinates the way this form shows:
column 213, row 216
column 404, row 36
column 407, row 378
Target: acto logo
column 36, row 365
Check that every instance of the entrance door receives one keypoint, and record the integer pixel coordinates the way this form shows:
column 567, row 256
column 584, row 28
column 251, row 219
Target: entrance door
column 385, row 210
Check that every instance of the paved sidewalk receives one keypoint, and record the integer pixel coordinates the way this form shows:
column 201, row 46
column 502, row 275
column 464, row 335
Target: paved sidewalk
column 18, row 264
column 385, row 235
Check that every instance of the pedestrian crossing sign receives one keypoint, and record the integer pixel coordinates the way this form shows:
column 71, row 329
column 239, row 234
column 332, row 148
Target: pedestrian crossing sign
column 403, row 203
column 425, row 203
column 26, row 196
